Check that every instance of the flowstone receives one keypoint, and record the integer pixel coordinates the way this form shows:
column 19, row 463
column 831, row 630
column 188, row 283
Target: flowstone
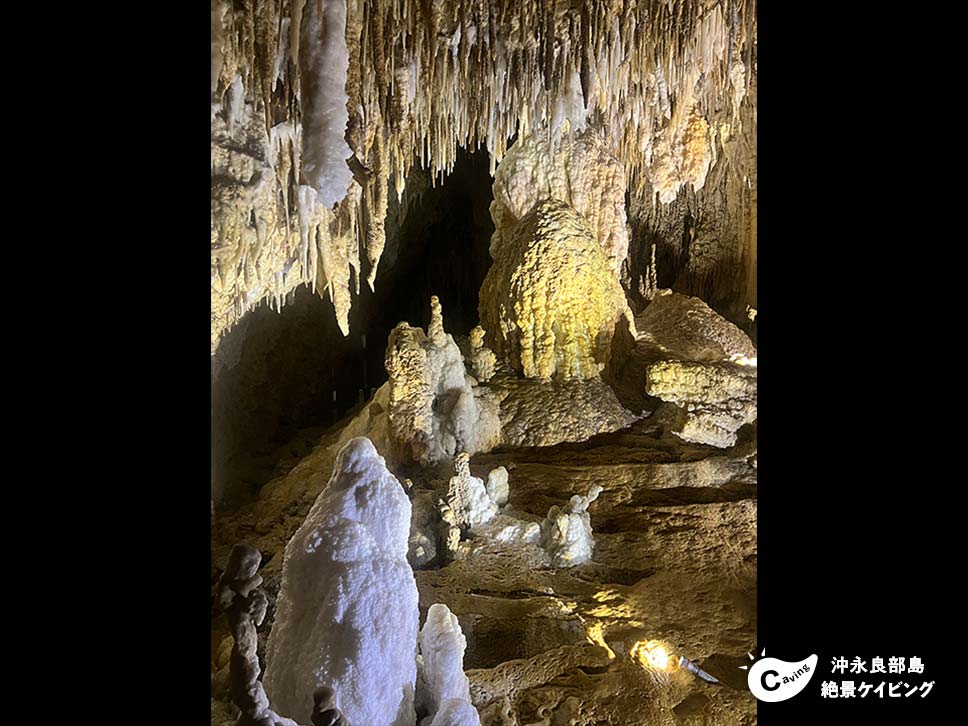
column 551, row 302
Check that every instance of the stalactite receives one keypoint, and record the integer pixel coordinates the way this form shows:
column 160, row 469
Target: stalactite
column 655, row 79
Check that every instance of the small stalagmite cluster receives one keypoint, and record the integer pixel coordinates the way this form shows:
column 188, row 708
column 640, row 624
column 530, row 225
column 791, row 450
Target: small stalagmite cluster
column 434, row 409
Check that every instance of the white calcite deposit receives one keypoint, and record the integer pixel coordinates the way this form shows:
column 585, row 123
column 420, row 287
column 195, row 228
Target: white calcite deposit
column 323, row 61
column 446, row 688
column 497, row 485
column 347, row 613
column 435, row 410
column 468, row 496
column 567, row 533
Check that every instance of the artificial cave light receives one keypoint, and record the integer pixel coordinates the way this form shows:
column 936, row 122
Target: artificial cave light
column 654, row 655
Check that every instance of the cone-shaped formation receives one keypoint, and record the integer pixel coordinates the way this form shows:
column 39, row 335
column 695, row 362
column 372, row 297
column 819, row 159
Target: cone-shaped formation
column 447, row 690
column 347, row 613
column 567, row 533
column 551, row 300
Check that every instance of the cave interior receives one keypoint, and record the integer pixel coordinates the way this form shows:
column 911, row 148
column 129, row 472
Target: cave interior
column 483, row 362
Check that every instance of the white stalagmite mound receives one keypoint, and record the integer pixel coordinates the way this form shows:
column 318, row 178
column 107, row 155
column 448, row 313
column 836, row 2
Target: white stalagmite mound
column 468, row 496
column 442, row 645
column 497, row 485
column 347, row 611
column 567, row 534
column 456, row 713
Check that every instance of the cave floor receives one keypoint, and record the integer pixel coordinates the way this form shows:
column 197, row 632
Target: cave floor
column 675, row 561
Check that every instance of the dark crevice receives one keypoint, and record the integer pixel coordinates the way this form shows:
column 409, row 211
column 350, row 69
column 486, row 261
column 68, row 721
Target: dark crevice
column 279, row 379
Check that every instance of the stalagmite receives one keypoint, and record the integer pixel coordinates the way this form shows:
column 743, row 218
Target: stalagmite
column 551, row 301
column 347, row 614
column 447, row 690
column 497, row 486
column 245, row 603
column 434, row 410
column 468, row 497
column 483, row 359
column 567, row 533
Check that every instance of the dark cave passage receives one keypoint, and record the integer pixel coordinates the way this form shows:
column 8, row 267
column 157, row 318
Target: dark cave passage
column 279, row 373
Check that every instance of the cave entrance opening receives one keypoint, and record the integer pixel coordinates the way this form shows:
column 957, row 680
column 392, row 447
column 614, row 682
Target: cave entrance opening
column 280, row 379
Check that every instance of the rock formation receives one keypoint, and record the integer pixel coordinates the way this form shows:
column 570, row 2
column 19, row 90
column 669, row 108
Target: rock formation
column 633, row 165
column 424, row 528
column 686, row 328
column 545, row 413
column 456, row 712
column 468, row 497
column 245, row 604
column 343, row 93
column 434, row 410
column 347, row 615
column 483, row 359
column 551, row 302
column 446, row 688
column 715, row 400
column 325, row 712
column 703, row 364
column 567, row 533
column 580, row 171
column 682, row 153
column 497, row 486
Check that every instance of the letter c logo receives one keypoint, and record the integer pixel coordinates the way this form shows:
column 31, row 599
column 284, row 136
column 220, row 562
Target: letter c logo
column 765, row 684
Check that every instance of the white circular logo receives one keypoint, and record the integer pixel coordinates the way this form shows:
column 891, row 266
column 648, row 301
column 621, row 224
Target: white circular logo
column 772, row 679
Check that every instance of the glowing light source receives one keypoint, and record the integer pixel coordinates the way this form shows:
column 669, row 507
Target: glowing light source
column 740, row 359
column 655, row 656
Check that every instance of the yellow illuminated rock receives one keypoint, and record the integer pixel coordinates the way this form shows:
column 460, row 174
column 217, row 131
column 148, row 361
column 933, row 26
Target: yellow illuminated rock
column 550, row 301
